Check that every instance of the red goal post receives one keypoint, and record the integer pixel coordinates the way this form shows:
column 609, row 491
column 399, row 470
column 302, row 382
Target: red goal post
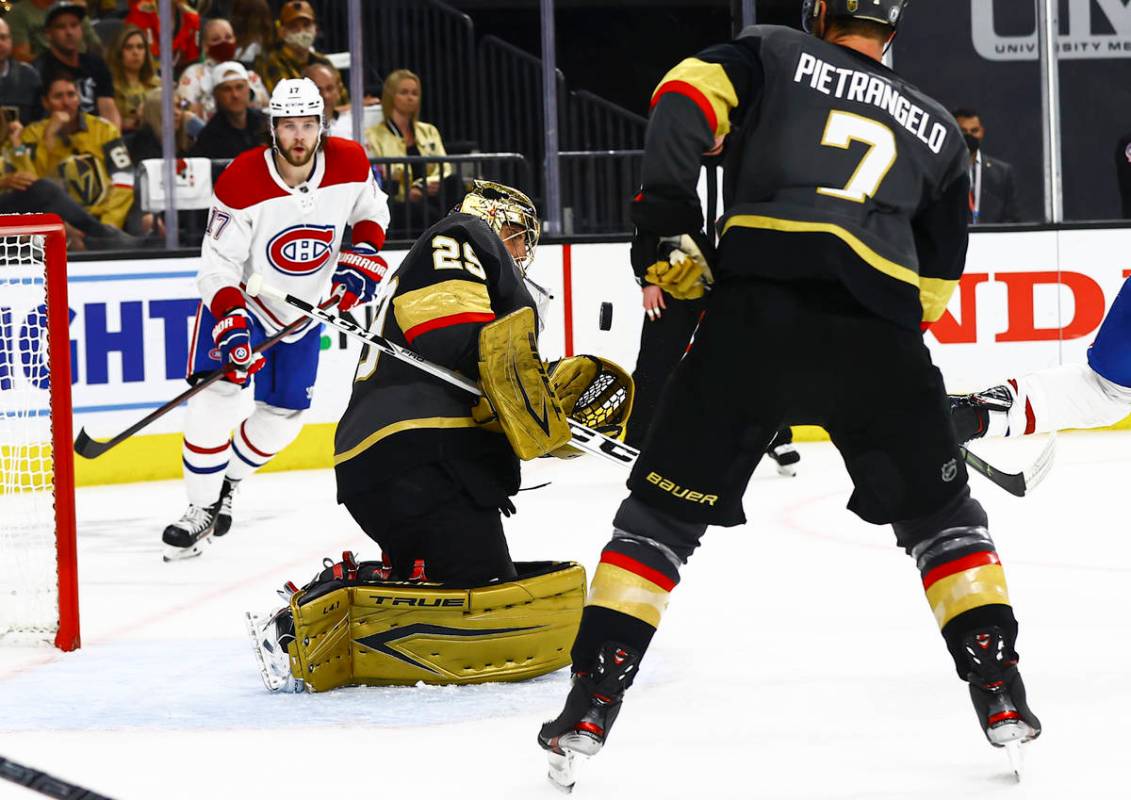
column 38, row 558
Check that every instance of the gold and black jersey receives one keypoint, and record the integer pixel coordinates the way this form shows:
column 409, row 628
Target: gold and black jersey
column 835, row 168
column 455, row 279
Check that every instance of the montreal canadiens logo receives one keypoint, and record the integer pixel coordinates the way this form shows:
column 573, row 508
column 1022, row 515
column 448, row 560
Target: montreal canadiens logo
column 301, row 249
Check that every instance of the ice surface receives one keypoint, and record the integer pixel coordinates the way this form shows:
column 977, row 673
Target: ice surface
column 798, row 658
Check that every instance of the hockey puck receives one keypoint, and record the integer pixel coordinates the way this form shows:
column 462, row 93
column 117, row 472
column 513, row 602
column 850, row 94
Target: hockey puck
column 605, row 319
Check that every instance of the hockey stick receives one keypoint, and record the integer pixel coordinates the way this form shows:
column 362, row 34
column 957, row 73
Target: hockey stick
column 41, row 782
column 1016, row 483
column 92, row 448
column 584, row 437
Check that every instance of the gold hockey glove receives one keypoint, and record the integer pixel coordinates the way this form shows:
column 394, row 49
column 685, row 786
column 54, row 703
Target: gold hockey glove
column 595, row 392
column 681, row 268
column 514, row 380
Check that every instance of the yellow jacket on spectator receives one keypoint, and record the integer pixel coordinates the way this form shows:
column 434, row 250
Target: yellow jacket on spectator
column 386, row 141
column 92, row 164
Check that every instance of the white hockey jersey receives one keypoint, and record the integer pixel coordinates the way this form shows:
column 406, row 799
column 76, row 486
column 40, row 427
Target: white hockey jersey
column 290, row 236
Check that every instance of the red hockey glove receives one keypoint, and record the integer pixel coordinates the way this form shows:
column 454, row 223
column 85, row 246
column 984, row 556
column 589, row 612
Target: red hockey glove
column 359, row 273
column 232, row 335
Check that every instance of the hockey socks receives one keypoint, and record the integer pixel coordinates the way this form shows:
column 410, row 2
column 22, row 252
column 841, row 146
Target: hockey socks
column 206, row 448
column 258, row 438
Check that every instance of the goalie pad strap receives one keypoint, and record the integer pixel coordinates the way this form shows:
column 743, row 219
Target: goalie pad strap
column 395, row 633
column 514, row 380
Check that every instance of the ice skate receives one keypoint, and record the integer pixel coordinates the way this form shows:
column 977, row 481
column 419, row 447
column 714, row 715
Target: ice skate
column 590, row 710
column 999, row 694
column 186, row 537
column 223, row 507
column 974, row 413
column 269, row 639
column 784, row 455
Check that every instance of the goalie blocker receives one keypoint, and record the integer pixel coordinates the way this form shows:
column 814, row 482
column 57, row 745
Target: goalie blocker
column 350, row 626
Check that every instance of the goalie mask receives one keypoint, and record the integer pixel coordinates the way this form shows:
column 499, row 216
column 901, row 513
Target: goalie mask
column 884, row 12
column 503, row 207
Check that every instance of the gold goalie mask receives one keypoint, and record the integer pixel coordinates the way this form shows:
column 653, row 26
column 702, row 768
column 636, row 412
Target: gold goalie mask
column 502, row 206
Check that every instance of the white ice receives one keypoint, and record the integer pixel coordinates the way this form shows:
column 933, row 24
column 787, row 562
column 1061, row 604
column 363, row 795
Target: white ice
column 798, row 658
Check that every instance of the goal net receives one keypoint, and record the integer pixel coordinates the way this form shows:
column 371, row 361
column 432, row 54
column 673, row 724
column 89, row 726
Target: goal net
column 38, row 576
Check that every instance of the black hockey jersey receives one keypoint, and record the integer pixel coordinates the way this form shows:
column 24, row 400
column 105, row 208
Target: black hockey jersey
column 835, row 168
column 455, row 279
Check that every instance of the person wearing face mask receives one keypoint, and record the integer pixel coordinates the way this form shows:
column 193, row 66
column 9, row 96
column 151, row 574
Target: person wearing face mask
column 993, row 197
column 195, row 86
column 294, row 49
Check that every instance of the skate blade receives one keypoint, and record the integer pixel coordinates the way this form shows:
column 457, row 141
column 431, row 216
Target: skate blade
column 563, row 770
column 183, row 553
column 787, row 470
column 1013, row 751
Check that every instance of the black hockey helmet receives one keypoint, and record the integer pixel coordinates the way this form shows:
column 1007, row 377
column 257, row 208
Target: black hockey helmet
column 885, row 12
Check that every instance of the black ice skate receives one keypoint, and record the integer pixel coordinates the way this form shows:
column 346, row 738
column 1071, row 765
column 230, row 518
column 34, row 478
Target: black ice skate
column 971, row 413
column 785, row 456
column 186, row 537
column 999, row 694
column 590, row 710
column 223, row 507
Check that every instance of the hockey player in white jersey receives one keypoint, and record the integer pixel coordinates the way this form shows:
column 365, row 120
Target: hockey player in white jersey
column 280, row 211
column 1087, row 395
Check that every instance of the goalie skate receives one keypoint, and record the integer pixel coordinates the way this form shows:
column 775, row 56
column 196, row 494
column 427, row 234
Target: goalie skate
column 186, row 537
column 270, row 655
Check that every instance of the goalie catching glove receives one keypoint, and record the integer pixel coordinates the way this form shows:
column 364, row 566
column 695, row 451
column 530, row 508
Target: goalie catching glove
column 516, row 388
column 596, row 392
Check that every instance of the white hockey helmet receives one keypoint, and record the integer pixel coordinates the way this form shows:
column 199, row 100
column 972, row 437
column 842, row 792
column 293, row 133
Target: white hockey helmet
column 296, row 97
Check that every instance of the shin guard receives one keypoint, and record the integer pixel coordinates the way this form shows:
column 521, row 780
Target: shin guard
column 258, row 438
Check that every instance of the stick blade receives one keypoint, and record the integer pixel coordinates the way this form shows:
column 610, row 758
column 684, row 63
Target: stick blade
column 90, row 448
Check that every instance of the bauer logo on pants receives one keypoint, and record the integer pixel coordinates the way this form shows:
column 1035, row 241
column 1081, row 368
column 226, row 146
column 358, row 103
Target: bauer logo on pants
column 301, row 249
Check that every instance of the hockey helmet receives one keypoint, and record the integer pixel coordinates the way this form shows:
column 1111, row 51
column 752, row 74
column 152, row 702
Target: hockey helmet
column 500, row 205
column 884, row 12
column 296, row 97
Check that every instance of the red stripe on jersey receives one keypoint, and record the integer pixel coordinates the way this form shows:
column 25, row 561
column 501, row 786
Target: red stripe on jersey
column 253, row 448
column 636, row 568
column 246, row 181
column 346, row 162
column 959, row 565
column 444, row 322
column 192, row 341
column 205, row 451
column 689, row 91
column 368, row 232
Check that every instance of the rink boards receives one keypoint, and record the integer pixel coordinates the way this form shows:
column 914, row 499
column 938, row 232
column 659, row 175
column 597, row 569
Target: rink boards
column 1028, row 300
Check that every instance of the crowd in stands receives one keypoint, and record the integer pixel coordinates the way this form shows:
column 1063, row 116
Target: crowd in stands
column 82, row 99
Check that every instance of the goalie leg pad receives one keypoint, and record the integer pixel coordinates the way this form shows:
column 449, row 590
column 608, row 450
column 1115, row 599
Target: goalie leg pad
column 394, row 633
column 514, row 380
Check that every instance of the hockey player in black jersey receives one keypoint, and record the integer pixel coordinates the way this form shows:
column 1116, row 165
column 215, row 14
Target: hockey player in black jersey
column 844, row 234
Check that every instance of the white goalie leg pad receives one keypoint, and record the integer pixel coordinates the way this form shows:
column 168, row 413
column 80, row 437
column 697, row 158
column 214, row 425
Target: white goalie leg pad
column 205, row 449
column 1072, row 396
column 258, row 438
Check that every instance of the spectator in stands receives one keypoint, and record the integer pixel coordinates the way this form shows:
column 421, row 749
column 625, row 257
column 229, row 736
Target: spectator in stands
column 255, row 33
column 63, row 27
column 19, row 83
column 294, row 49
column 147, row 143
column 186, row 30
column 24, row 192
column 195, row 85
column 134, row 74
column 993, row 197
column 339, row 120
column 82, row 151
column 422, row 192
column 236, row 126
column 1123, row 174
column 28, row 18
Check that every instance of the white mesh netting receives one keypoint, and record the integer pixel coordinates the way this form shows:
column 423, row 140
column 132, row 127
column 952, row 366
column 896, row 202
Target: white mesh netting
column 29, row 609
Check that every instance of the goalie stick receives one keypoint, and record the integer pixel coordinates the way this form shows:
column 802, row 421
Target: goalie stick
column 87, row 447
column 584, row 437
column 1016, row 483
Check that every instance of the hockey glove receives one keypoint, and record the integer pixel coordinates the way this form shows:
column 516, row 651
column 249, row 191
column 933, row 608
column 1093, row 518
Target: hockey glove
column 359, row 273
column 232, row 335
column 677, row 264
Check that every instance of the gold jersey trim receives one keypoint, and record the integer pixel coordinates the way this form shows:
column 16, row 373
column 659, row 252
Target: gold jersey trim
column 399, row 427
column 445, row 299
column 934, row 295
column 713, row 86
